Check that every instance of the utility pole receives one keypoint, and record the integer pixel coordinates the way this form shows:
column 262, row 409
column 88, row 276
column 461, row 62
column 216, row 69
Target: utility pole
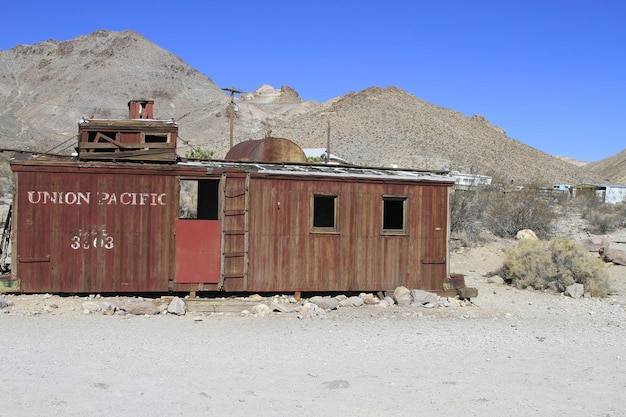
column 231, row 109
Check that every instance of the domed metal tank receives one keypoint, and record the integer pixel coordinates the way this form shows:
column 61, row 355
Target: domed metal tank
column 268, row 149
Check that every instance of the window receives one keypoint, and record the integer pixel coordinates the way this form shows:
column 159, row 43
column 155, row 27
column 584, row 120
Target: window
column 325, row 213
column 199, row 199
column 156, row 138
column 394, row 215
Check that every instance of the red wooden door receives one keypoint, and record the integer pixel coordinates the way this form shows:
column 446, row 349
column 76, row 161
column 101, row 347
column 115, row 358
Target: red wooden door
column 198, row 251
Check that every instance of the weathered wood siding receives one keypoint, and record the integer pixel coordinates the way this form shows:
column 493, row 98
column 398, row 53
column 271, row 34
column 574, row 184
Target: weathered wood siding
column 83, row 229
column 286, row 255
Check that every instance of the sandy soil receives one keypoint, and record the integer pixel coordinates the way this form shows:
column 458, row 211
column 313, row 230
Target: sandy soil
column 509, row 353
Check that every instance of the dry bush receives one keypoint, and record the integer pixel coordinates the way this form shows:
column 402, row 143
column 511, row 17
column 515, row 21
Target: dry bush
column 502, row 212
column 510, row 211
column 606, row 218
column 466, row 207
column 554, row 264
column 199, row 153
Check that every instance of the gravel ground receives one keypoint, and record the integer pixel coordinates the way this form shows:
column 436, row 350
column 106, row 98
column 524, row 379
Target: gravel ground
column 509, row 353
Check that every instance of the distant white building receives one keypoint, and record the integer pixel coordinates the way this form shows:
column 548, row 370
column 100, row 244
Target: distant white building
column 561, row 187
column 468, row 181
column 321, row 153
column 605, row 193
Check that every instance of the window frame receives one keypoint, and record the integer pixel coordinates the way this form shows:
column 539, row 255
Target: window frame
column 196, row 192
column 389, row 230
column 325, row 229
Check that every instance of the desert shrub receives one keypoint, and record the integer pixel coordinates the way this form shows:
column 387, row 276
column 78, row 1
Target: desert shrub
column 466, row 207
column 554, row 264
column 585, row 202
column 605, row 218
column 200, row 152
column 316, row 159
column 514, row 210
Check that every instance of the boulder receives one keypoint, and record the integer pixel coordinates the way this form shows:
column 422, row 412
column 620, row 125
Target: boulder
column 356, row 301
column 140, row 307
column 326, row 303
column 261, row 310
column 310, row 310
column 108, row 308
column 496, row 279
column 402, row 295
column 594, row 244
column 575, row 290
column 177, row 306
column 421, row 297
column 526, row 234
column 616, row 256
column 281, row 307
column 369, row 298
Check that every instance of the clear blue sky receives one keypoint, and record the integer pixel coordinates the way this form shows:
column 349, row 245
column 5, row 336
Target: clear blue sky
column 552, row 73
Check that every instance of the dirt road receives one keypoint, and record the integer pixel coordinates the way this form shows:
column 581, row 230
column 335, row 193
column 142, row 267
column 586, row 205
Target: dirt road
column 512, row 353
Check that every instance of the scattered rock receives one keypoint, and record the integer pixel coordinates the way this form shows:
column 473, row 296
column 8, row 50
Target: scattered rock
column 616, row 256
column 3, row 303
column 356, row 300
column 526, row 234
column 402, row 295
column 326, row 303
column 261, row 310
column 575, row 290
column 108, row 308
column 594, row 244
column 140, row 307
column 421, row 297
column 177, row 306
column 91, row 306
column 281, row 307
column 369, row 298
column 310, row 310
column 496, row 279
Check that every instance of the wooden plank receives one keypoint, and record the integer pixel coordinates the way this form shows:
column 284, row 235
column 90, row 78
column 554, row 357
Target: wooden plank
column 218, row 306
column 110, row 145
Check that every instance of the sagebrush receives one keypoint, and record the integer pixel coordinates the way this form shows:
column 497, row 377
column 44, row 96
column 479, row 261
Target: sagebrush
column 554, row 264
column 200, row 153
column 605, row 218
column 502, row 211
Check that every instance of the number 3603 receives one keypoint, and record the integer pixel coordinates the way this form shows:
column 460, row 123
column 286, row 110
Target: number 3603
column 91, row 239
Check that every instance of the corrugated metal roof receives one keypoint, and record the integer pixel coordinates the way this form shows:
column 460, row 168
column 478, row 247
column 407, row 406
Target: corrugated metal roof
column 327, row 170
column 343, row 171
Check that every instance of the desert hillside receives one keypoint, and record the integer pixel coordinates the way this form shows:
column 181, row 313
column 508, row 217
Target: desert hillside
column 47, row 87
column 612, row 169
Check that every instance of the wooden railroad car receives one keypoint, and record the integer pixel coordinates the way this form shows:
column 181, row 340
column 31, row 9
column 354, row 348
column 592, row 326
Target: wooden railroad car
column 112, row 225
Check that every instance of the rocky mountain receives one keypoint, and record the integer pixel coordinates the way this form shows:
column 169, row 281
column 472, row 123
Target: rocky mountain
column 47, row 87
column 611, row 170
